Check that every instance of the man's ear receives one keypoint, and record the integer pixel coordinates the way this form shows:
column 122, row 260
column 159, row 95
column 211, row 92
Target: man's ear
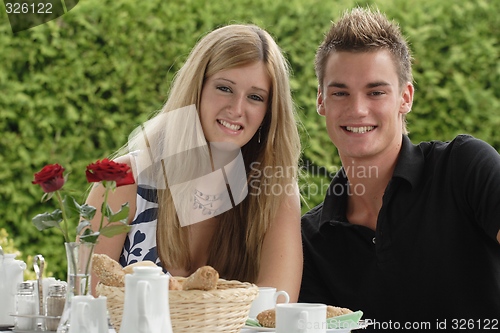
column 320, row 107
column 407, row 98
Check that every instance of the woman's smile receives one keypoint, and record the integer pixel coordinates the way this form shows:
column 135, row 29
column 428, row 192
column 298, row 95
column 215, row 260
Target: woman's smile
column 234, row 103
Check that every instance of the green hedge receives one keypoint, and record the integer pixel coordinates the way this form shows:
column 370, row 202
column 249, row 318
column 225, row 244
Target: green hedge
column 74, row 88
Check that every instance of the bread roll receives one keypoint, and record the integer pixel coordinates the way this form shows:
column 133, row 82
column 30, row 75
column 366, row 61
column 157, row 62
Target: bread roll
column 109, row 271
column 205, row 278
column 174, row 284
column 267, row 318
column 334, row 311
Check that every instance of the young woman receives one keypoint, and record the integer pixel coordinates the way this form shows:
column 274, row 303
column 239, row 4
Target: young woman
column 233, row 91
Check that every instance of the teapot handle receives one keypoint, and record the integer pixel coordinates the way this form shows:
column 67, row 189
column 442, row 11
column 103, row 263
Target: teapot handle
column 83, row 313
column 144, row 311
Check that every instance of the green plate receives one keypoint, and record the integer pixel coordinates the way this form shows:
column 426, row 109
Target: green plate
column 344, row 321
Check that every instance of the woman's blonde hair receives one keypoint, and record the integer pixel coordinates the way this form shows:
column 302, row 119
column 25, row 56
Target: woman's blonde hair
column 270, row 157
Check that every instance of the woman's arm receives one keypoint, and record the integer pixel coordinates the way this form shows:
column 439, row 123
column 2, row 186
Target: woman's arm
column 112, row 246
column 281, row 260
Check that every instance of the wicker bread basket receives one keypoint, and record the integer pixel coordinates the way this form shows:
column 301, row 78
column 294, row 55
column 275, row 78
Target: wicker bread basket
column 223, row 310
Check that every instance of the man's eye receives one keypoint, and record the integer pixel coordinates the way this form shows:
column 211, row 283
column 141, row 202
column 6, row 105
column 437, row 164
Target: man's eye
column 377, row 93
column 256, row 98
column 339, row 93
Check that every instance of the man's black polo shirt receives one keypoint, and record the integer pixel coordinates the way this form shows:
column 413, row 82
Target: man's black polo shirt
column 434, row 254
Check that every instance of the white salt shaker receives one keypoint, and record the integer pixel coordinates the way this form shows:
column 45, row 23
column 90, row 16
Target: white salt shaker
column 26, row 307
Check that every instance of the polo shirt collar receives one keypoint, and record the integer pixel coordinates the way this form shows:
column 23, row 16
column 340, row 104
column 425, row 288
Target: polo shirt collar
column 410, row 163
column 335, row 204
column 409, row 167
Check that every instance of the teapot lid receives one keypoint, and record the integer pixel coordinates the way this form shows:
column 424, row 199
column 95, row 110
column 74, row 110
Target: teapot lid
column 147, row 270
column 10, row 255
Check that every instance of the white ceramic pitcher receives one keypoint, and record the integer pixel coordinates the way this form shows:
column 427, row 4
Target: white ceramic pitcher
column 88, row 314
column 146, row 307
column 11, row 274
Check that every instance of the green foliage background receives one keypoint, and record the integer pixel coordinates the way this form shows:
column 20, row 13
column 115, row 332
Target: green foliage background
column 72, row 89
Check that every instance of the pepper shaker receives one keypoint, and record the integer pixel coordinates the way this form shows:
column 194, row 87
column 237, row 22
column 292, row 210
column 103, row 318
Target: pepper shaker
column 55, row 301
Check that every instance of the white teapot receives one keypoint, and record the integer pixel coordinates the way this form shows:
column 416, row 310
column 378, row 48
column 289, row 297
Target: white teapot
column 11, row 274
column 146, row 307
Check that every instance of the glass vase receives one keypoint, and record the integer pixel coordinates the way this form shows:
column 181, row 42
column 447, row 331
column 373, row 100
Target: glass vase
column 79, row 259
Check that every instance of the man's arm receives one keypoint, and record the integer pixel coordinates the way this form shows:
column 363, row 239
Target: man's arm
column 480, row 163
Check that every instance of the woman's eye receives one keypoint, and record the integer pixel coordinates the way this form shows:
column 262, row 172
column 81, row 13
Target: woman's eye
column 224, row 88
column 256, row 98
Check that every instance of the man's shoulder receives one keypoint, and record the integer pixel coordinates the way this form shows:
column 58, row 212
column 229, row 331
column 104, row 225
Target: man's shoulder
column 312, row 219
column 459, row 142
column 463, row 146
column 313, row 213
column 468, row 143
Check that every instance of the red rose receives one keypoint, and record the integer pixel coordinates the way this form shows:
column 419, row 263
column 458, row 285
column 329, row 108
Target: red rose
column 107, row 170
column 50, row 178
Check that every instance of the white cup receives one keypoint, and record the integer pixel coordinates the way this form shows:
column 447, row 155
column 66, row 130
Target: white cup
column 88, row 314
column 300, row 318
column 266, row 299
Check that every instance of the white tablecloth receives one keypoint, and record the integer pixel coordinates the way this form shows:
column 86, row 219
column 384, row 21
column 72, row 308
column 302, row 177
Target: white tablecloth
column 113, row 331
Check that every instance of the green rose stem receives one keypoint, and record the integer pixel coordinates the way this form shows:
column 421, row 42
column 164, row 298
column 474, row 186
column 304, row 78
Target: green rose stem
column 87, row 279
column 64, row 217
column 66, row 233
column 104, row 203
column 101, row 222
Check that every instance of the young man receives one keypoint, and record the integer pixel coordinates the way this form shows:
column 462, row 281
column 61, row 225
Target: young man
column 408, row 234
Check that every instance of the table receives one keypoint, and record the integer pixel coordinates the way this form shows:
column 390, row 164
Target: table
column 244, row 330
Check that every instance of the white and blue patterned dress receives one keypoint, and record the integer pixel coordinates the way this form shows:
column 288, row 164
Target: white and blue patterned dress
column 140, row 243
